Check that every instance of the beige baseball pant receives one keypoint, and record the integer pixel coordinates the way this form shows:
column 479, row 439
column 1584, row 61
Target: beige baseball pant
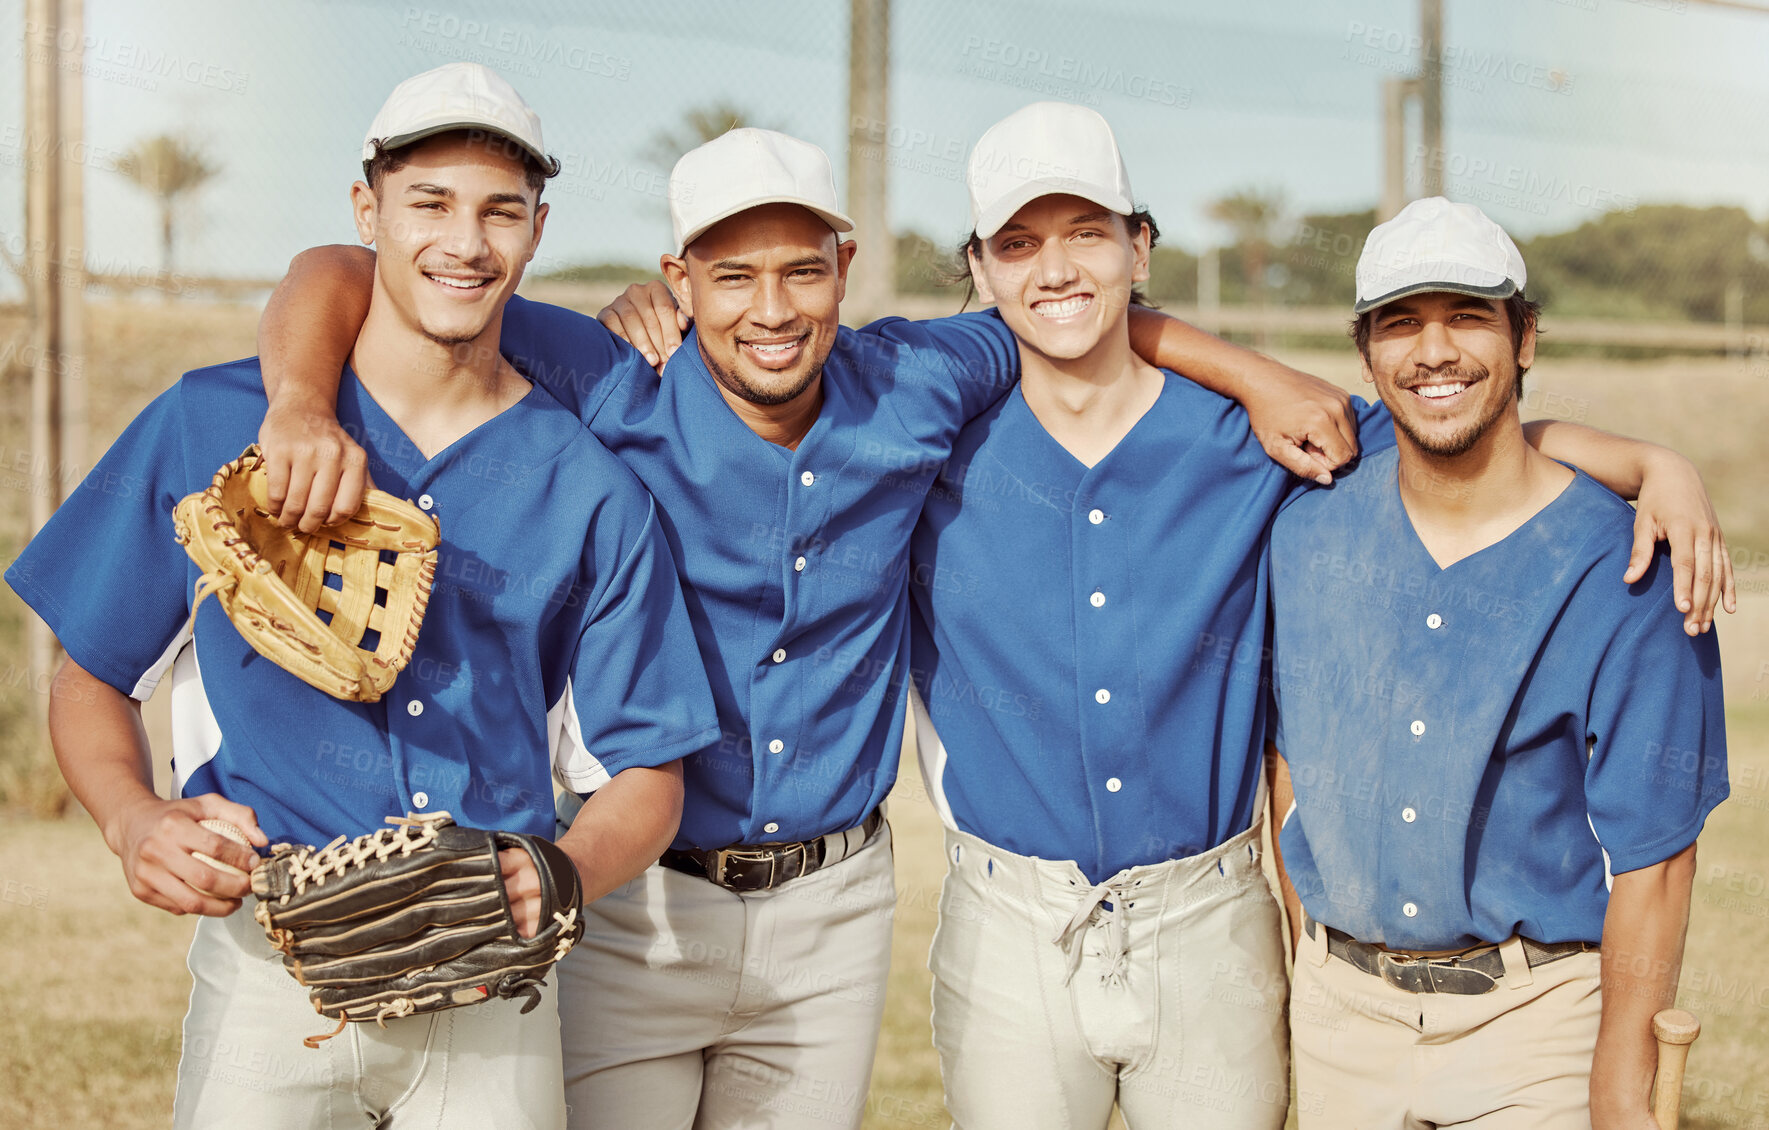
column 243, row 1063
column 1370, row 1056
column 687, row 1005
column 1160, row 990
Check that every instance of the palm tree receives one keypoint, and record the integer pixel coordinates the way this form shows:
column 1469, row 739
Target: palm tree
column 168, row 168
column 700, row 124
column 1254, row 217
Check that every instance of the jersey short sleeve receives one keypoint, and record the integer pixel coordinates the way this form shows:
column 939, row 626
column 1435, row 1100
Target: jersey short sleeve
column 105, row 573
column 638, row 693
column 971, row 360
column 1657, row 732
column 571, row 355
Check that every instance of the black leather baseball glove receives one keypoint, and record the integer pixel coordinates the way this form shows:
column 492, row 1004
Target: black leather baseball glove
column 412, row 918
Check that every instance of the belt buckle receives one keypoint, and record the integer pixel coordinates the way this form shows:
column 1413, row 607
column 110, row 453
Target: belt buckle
column 724, row 857
column 719, row 872
column 1434, row 975
column 1405, row 972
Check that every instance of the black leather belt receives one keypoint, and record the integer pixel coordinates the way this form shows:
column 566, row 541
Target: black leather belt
column 759, row 867
column 1467, row 974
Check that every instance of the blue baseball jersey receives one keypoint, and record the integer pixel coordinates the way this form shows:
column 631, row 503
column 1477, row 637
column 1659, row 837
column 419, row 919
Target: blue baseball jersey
column 555, row 643
column 1477, row 749
column 1090, row 643
column 795, row 563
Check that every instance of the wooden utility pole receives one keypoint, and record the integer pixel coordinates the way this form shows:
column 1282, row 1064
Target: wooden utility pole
column 55, row 247
column 1431, row 96
column 1395, row 92
column 71, row 233
column 872, row 278
column 1210, row 289
column 1425, row 88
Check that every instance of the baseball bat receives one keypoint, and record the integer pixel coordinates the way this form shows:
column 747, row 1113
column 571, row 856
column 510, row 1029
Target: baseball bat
column 1675, row 1030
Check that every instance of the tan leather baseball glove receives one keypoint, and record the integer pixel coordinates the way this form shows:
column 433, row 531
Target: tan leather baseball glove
column 271, row 581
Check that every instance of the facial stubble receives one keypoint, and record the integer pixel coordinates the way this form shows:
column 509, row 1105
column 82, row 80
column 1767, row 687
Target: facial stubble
column 1459, row 443
column 749, row 392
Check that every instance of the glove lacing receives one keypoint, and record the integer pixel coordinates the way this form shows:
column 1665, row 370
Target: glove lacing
column 568, row 933
column 409, row 833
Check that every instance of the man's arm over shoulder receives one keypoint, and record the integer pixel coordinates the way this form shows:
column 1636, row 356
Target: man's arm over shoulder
column 571, row 355
column 305, row 335
column 317, row 472
column 1673, row 507
column 1304, row 423
column 957, row 365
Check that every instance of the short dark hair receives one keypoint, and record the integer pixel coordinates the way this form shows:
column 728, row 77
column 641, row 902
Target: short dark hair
column 535, row 173
column 1521, row 312
column 973, row 245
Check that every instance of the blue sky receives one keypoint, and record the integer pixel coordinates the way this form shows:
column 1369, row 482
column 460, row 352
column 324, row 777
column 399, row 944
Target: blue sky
column 1555, row 109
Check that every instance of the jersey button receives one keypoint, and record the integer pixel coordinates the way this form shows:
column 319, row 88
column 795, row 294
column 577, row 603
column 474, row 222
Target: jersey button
column 414, row 708
column 425, row 502
column 1098, row 599
column 1434, row 621
column 420, row 800
column 780, row 655
column 807, row 478
column 1102, row 696
column 1418, row 728
column 1408, row 815
column 1096, row 516
column 770, row 827
column 1410, row 910
column 798, row 566
column 776, row 746
column 1113, row 784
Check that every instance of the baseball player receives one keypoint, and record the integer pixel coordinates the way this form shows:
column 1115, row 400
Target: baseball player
column 1089, row 559
column 1089, row 637
column 742, row 979
column 556, row 647
column 1500, row 760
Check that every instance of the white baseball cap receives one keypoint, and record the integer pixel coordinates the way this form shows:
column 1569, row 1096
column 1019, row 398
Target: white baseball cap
column 746, row 168
column 1437, row 245
column 1045, row 148
column 456, row 96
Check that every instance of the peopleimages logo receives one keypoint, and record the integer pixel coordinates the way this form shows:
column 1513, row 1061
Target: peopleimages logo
column 496, row 45
column 1495, row 182
column 1469, row 68
column 126, row 62
column 1064, row 76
